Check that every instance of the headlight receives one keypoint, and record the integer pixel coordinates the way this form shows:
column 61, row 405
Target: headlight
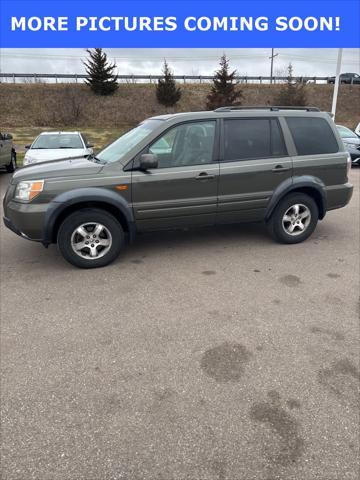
column 26, row 191
column 29, row 160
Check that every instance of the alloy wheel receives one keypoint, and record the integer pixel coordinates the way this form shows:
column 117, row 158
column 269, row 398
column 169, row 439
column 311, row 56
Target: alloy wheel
column 296, row 219
column 91, row 240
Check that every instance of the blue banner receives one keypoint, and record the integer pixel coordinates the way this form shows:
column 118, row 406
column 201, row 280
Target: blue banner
column 185, row 24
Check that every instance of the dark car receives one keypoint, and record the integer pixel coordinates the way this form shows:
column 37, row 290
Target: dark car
column 351, row 142
column 350, row 78
column 7, row 152
column 286, row 167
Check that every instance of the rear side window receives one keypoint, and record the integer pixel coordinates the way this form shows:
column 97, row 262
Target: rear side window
column 312, row 136
column 252, row 138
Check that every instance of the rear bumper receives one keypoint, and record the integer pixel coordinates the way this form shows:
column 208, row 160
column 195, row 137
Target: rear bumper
column 338, row 195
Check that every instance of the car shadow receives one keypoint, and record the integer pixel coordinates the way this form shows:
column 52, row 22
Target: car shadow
column 242, row 234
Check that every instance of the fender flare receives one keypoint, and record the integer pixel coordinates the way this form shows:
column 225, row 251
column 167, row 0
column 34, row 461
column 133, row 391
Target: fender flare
column 295, row 183
column 81, row 195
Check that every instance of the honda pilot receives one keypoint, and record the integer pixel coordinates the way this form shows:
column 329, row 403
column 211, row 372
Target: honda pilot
column 286, row 167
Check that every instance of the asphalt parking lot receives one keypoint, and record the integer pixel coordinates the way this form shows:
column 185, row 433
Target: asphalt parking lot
column 202, row 355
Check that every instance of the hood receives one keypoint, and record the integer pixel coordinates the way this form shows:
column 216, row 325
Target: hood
column 57, row 168
column 54, row 154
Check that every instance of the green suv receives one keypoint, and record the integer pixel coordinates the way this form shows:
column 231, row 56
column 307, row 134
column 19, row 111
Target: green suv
column 283, row 166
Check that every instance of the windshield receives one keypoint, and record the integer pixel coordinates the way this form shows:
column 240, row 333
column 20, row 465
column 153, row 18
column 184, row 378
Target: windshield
column 58, row 140
column 115, row 151
column 346, row 132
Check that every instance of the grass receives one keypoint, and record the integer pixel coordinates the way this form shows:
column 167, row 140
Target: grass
column 98, row 137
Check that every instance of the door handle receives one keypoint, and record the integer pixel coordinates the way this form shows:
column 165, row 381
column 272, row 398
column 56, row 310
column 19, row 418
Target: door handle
column 205, row 176
column 280, row 169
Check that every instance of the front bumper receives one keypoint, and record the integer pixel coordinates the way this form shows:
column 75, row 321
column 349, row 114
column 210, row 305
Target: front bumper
column 26, row 220
column 355, row 157
column 10, row 226
column 354, row 154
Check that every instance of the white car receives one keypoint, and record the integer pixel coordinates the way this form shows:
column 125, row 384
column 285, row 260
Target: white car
column 357, row 130
column 56, row 146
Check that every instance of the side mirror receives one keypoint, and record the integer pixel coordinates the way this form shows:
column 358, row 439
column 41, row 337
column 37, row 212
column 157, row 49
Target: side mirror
column 148, row 161
column 7, row 136
column 27, row 147
column 89, row 145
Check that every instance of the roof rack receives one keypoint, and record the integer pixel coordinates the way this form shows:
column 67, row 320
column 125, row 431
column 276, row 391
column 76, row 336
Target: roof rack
column 272, row 109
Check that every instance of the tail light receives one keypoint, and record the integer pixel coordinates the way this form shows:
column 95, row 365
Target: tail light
column 348, row 163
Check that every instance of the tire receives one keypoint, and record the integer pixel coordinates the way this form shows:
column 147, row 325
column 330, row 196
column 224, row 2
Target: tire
column 93, row 230
column 280, row 226
column 11, row 167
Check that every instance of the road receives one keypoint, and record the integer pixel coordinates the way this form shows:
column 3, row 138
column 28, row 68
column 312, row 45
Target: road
column 199, row 355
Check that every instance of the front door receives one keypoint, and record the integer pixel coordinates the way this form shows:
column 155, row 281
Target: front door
column 182, row 191
column 254, row 162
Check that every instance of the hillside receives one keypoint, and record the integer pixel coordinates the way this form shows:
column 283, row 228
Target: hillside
column 73, row 105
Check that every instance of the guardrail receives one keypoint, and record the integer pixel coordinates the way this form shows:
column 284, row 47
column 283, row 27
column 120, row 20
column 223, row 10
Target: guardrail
column 58, row 77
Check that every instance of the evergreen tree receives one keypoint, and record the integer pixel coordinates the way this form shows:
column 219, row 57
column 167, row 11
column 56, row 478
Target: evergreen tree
column 292, row 93
column 224, row 91
column 167, row 93
column 102, row 80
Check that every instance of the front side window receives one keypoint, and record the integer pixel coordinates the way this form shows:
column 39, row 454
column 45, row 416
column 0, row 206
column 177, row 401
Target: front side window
column 252, row 138
column 312, row 136
column 56, row 140
column 186, row 144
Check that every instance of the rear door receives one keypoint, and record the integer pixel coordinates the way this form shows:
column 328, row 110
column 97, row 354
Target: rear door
column 254, row 162
column 182, row 191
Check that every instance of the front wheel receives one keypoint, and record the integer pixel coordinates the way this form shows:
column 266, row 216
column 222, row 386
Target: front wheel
column 11, row 167
column 90, row 238
column 294, row 219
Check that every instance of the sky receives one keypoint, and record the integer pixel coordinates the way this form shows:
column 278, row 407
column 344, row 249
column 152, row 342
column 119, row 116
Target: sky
column 251, row 62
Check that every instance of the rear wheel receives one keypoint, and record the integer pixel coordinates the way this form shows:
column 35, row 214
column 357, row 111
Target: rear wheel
column 90, row 238
column 294, row 219
column 11, row 167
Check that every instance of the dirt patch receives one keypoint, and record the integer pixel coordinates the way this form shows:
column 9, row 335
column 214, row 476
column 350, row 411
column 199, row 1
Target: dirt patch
column 333, row 275
column 334, row 334
column 342, row 379
column 289, row 446
column 290, row 280
column 226, row 362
